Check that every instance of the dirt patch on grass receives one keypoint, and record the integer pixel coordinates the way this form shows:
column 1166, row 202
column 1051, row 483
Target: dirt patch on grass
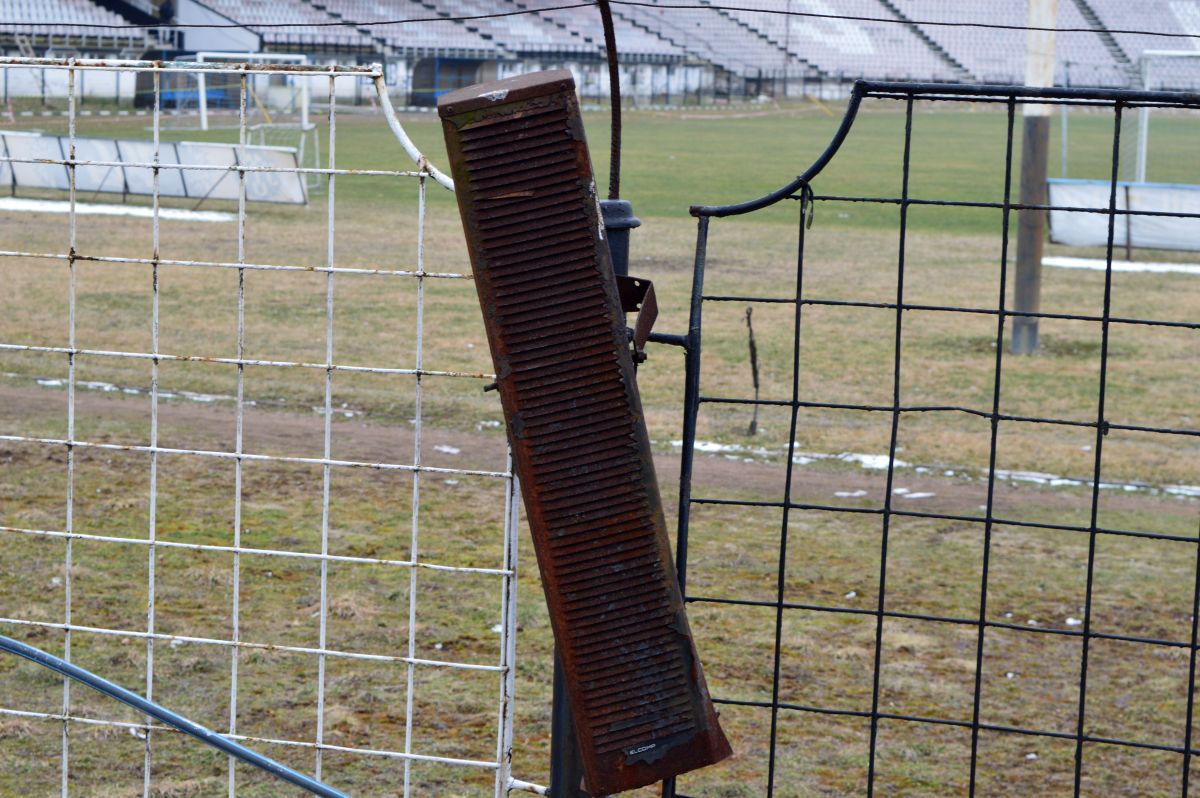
column 290, row 434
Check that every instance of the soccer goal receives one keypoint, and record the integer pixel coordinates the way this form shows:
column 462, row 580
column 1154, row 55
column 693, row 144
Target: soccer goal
column 277, row 107
column 1162, row 70
column 1156, row 195
column 207, row 100
column 302, row 138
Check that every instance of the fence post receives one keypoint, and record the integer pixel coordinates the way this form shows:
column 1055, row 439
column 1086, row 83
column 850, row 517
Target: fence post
column 1063, row 117
column 566, row 770
column 1031, row 225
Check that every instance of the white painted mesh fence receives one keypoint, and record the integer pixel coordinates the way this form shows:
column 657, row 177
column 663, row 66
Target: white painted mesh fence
column 337, row 647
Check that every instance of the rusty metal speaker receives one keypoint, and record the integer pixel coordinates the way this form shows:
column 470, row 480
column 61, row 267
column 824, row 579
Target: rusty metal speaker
column 564, row 362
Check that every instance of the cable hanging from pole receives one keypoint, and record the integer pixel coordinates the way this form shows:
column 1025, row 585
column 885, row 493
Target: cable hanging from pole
column 614, row 88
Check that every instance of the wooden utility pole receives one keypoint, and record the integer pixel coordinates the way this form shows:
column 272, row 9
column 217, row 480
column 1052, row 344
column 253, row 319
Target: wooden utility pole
column 1031, row 225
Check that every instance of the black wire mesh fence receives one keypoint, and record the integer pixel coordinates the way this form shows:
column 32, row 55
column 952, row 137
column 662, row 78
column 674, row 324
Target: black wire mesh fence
column 885, row 623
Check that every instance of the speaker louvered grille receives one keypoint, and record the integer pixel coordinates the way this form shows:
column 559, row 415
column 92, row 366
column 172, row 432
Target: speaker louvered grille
column 566, row 380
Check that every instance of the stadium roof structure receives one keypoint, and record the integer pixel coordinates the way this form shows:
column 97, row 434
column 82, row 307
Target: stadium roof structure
column 925, row 40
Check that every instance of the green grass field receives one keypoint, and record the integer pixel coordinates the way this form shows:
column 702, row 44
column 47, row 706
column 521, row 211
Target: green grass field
column 1141, row 587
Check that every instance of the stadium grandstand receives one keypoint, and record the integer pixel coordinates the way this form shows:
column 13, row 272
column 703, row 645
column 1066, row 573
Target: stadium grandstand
column 698, row 50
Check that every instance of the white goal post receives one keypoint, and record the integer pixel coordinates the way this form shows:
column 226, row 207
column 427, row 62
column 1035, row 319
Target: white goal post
column 300, row 94
column 1162, row 70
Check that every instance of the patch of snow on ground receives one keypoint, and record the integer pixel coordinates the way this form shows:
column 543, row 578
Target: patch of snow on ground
column 192, row 396
column 1037, row 478
column 712, row 447
column 871, row 461
column 875, row 462
column 22, row 204
column 1099, row 265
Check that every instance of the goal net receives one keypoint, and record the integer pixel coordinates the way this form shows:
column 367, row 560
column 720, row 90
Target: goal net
column 1161, row 70
column 212, row 100
column 303, row 138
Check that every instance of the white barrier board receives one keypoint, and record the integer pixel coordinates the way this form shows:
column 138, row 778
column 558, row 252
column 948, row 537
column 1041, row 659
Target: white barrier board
column 1084, row 229
column 109, row 179
column 5, row 166
column 274, row 186
column 140, row 179
column 223, row 184
column 36, row 175
column 208, row 182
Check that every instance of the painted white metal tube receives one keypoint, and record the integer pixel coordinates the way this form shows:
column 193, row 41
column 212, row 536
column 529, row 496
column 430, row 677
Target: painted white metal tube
column 389, row 113
column 1039, row 51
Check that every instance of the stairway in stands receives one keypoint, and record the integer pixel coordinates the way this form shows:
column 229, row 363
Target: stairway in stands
column 677, row 39
column 1114, row 49
column 691, row 44
column 546, row 16
column 960, row 71
column 381, row 44
column 502, row 48
column 811, row 70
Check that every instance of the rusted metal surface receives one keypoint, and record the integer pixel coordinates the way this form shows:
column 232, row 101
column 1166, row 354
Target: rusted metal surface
column 565, row 374
column 637, row 296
